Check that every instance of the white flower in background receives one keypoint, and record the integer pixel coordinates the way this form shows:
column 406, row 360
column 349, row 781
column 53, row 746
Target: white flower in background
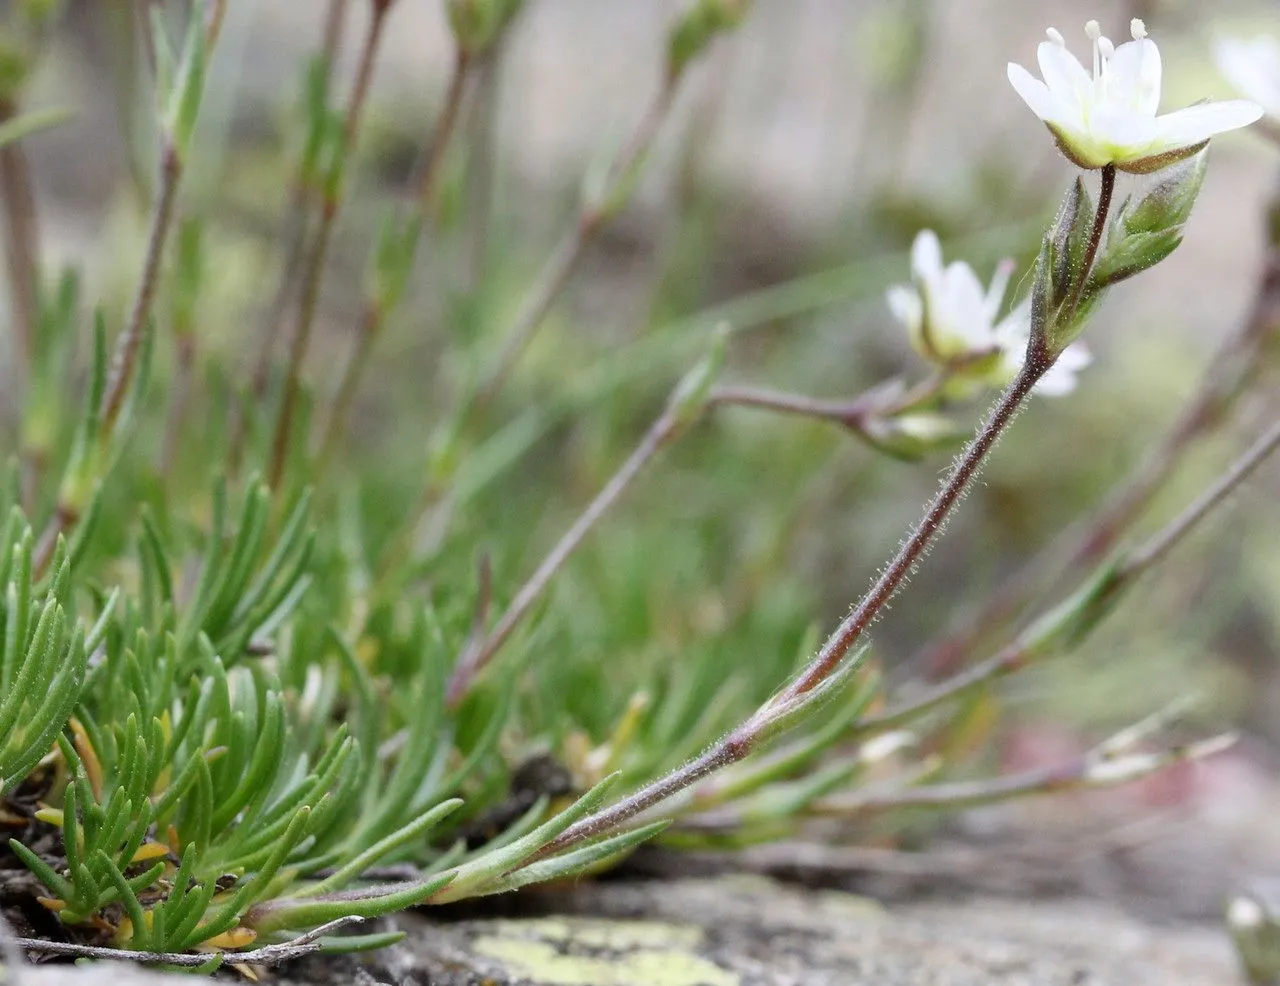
column 1253, row 67
column 1109, row 117
column 1014, row 333
column 951, row 321
column 949, row 316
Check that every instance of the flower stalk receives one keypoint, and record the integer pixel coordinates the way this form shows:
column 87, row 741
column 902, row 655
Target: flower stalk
column 745, row 739
column 303, row 192
column 1088, row 541
column 377, row 309
column 313, row 269
column 22, row 250
column 686, row 42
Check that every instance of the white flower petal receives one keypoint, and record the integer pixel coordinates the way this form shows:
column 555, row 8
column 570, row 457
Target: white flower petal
column 998, row 286
column 926, row 257
column 967, row 305
column 1124, row 133
column 1135, row 76
column 1035, row 94
column 1194, row 124
column 906, row 305
column 1253, row 68
column 1065, row 77
column 1075, row 357
column 1060, row 379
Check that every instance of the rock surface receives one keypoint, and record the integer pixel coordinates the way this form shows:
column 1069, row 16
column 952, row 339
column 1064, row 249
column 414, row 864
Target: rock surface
column 749, row 931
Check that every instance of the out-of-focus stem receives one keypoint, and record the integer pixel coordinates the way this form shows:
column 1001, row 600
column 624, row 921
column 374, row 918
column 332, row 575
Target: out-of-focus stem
column 313, row 272
column 184, row 361
column 124, row 360
column 663, row 431
column 1089, row 540
column 851, row 413
column 1155, row 549
column 22, row 251
column 1097, row 768
column 294, row 240
column 482, row 163
column 568, row 252
column 375, row 314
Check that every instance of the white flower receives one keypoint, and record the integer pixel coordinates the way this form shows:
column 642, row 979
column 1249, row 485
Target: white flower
column 948, row 314
column 1253, row 67
column 951, row 321
column 1110, row 118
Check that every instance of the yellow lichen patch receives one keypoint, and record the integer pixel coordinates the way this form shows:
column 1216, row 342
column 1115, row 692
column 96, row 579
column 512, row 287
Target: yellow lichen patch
column 595, row 935
column 554, row 952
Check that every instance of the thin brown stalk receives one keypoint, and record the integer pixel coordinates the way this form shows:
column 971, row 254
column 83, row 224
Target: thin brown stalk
column 375, row 314
column 481, row 138
column 1089, row 540
column 1096, row 233
column 124, row 360
column 852, row 413
column 856, row 623
column 22, row 251
column 301, row 196
column 663, row 431
column 739, row 743
column 1091, row 770
column 1155, row 549
column 184, row 361
column 1025, row 647
column 313, row 272
column 568, row 252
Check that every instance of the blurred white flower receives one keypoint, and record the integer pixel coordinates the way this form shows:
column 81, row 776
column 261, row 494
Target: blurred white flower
column 948, row 314
column 1014, row 333
column 951, row 321
column 1253, row 67
column 1110, row 118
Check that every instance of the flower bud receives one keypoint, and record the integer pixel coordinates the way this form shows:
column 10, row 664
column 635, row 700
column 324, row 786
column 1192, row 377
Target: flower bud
column 1133, row 254
column 15, row 66
column 1069, row 238
column 477, row 24
column 912, row 436
column 1251, row 921
column 40, row 14
column 1168, row 204
column 698, row 27
column 1142, row 235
